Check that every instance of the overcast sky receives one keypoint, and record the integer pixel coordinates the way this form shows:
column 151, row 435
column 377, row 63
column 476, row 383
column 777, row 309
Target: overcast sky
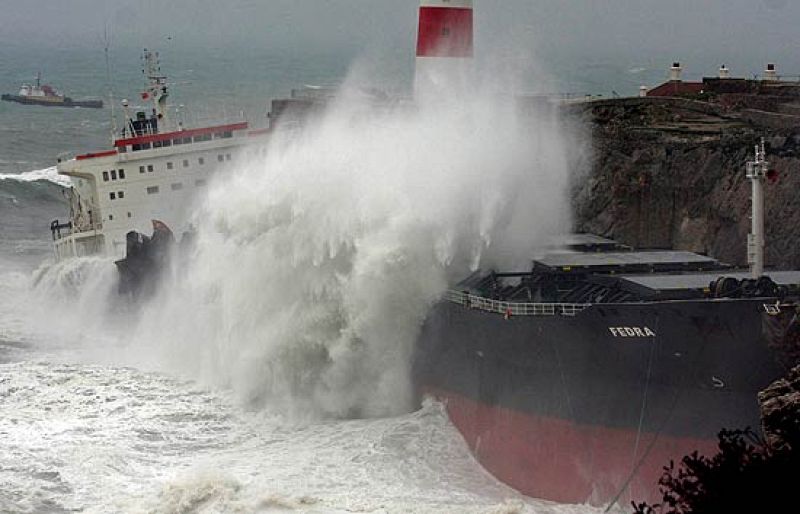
column 561, row 34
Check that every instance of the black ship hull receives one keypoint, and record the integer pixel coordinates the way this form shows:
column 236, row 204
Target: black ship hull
column 590, row 407
column 67, row 102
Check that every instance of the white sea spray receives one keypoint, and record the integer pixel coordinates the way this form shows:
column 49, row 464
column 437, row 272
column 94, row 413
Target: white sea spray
column 316, row 264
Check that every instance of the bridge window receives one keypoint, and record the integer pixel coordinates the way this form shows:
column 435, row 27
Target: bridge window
column 177, row 186
column 112, row 195
column 185, row 163
column 113, row 174
column 121, row 174
column 152, row 190
column 169, row 165
column 201, row 161
column 110, row 217
column 141, row 169
column 105, row 176
column 220, row 157
column 129, row 214
column 177, row 141
column 150, row 168
column 120, row 194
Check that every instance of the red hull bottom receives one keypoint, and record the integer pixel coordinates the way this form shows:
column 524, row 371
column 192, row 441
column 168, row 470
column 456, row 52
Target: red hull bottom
column 558, row 460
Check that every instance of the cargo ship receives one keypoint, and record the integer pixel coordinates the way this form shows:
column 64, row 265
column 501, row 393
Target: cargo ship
column 44, row 94
column 581, row 377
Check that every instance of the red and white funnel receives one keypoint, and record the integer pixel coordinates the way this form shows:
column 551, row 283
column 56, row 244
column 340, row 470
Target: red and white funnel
column 444, row 45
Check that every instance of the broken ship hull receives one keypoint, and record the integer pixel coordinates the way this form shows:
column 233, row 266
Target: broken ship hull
column 590, row 407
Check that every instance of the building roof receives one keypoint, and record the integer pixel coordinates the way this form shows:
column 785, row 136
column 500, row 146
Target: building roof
column 676, row 88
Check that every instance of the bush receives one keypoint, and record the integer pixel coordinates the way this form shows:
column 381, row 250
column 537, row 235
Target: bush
column 745, row 476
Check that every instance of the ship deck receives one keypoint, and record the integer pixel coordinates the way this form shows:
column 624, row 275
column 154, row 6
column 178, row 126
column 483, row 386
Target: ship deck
column 588, row 269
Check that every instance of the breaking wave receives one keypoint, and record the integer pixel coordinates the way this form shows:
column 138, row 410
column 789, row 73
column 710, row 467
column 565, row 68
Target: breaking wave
column 315, row 265
column 72, row 304
column 50, row 174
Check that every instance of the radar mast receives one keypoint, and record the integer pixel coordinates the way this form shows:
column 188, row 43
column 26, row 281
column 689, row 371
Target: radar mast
column 156, row 89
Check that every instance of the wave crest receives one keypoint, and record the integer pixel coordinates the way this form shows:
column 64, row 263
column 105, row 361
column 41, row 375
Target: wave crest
column 49, row 174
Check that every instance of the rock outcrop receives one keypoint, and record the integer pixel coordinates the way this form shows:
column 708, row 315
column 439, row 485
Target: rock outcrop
column 780, row 413
column 670, row 172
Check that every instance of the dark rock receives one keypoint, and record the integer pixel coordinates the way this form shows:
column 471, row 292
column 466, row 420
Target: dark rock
column 660, row 183
column 780, row 412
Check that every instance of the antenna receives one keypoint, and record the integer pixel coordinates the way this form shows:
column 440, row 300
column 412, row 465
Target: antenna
column 110, row 86
column 156, row 89
column 757, row 171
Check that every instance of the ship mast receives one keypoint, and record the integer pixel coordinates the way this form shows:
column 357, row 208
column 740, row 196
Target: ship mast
column 156, row 88
column 757, row 172
column 110, row 88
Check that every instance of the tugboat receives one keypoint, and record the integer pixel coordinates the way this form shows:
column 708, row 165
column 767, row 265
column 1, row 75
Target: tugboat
column 46, row 95
column 145, row 182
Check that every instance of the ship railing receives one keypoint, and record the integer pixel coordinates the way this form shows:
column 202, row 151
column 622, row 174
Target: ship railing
column 507, row 308
column 59, row 230
column 65, row 156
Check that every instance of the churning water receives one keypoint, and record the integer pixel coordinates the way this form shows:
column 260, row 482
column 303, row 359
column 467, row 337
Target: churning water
column 84, row 430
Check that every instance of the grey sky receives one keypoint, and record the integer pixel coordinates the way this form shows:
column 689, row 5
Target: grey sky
column 745, row 34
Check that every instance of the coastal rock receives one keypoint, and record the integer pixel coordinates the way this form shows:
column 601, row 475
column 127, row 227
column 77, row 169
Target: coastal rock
column 669, row 173
column 780, row 413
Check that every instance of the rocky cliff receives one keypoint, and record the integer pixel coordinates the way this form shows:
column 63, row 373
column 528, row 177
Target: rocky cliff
column 670, row 172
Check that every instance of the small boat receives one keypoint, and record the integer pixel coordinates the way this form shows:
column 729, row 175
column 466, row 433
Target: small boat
column 47, row 95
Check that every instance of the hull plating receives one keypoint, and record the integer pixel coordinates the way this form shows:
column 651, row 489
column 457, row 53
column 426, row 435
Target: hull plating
column 589, row 407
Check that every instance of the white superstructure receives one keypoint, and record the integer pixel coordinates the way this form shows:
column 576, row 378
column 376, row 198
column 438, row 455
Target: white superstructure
column 40, row 92
column 154, row 172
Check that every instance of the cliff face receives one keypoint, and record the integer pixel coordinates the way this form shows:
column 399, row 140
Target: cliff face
column 670, row 172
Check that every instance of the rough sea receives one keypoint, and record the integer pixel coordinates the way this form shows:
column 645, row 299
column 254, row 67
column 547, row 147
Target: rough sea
column 182, row 405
